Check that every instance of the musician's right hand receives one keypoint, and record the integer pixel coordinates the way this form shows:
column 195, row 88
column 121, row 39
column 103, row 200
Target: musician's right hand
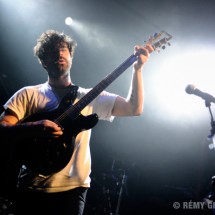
column 47, row 128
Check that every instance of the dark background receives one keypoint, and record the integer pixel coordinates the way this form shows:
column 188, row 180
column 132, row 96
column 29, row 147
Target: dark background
column 163, row 154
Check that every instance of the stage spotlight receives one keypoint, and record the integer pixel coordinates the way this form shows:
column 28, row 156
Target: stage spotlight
column 68, row 21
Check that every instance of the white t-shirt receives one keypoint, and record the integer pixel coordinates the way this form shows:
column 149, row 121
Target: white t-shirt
column 43, row 97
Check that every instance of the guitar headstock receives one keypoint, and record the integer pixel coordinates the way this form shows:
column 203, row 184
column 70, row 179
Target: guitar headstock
column 159, row 40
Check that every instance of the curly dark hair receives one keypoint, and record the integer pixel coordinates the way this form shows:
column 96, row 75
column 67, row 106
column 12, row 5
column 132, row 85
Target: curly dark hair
column 52, row 40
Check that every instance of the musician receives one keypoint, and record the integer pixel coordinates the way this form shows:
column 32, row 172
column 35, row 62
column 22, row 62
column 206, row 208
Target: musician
column 62, row 192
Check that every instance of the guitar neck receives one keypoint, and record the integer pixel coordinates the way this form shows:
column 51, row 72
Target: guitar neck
column 94, row 92
column 156, row 41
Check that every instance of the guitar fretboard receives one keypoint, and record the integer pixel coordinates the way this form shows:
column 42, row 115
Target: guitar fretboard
column 74, row 110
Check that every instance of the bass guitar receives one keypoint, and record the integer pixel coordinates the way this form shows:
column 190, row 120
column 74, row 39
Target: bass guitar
column 47, row 156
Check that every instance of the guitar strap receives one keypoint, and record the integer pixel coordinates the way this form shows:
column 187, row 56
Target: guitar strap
column 71, row 96
column 66, row 96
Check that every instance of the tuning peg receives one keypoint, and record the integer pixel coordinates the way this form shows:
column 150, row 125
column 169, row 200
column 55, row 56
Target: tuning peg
column 169, row 44
column 155, row 35
column 150, row 39
column 163, row 47
column 158, row 50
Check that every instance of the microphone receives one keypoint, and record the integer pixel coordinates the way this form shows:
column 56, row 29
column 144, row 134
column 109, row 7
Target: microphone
column 191, row 89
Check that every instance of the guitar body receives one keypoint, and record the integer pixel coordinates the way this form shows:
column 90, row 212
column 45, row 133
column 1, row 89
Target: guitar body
column 49, row 155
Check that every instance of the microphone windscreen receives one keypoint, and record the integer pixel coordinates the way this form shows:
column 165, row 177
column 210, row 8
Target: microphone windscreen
column 190, row 89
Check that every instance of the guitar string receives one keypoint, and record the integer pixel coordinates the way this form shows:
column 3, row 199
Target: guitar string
column 75, row 109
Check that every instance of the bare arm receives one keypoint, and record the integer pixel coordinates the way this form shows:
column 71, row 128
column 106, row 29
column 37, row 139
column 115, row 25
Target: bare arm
column 133, row 104
column 11, row 130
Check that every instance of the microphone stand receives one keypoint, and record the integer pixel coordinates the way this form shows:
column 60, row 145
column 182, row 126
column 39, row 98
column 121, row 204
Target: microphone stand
column 124, row 178
column 211, row 135
column 211, row 197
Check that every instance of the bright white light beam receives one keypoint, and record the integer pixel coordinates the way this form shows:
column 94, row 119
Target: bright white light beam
column 68, row 21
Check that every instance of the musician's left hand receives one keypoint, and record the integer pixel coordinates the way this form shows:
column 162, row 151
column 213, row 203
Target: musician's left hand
column 143, row 56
